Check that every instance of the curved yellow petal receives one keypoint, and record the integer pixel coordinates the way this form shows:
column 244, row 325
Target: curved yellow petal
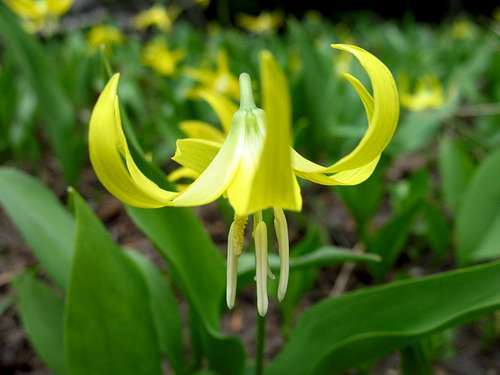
column 303, row 165
column 195, row 154
column 385, row 111
column 223, row 107
column 347, row 177
column 201, row 130
column 111, row 158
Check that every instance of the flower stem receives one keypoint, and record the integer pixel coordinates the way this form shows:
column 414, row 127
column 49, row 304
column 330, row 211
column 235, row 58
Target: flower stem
column 260, row 344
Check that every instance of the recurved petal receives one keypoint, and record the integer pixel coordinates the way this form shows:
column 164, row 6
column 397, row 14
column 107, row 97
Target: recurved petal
column 25, row 8
column 201, row 130
column 385, row 111
column 348, row 177
column 304, row 165
column 111, row 158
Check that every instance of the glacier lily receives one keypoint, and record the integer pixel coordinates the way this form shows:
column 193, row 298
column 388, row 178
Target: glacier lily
column 264, row 23
column 104, row 35
column 158, row 57
column 253, row 163
column 157, row 16
column 39, row 15
column 220, row 80
column 428, row 93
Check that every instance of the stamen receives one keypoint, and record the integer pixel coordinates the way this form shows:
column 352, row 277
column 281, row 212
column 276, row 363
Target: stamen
column 235, row 244
column 260, row 235
column 281, row 228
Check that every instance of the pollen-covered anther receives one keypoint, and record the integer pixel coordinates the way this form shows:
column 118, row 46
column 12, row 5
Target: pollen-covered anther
column 235, row 244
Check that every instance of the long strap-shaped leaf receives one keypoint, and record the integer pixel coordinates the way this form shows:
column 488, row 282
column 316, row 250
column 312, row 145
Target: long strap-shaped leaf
column 344, row 332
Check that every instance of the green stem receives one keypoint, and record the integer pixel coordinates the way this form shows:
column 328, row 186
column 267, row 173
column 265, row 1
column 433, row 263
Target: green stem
column 260, row 344
column 246, row 95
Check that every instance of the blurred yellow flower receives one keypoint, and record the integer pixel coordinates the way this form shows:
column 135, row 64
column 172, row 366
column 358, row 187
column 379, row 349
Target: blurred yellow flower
column 203, row 3
column 157, row 16
column 39, row 15
column 428, row 93
column 157, row 56
column 220, row 80
column 266, row 22
column 104, row 35
column 462, row 29
column 251, row 162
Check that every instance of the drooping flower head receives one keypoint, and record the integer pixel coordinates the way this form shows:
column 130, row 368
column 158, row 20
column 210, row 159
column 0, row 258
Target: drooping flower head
column 219, row 80
column 251, row 162
column 160, row 58
column 428, row 93
column 39, row 15
column 157, row 16
column 264, row 23
column 104, row 36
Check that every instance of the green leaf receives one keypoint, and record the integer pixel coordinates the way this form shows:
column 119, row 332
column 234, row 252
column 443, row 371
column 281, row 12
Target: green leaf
column 344, row 331
column 42, row 316
column 415, row 359
column 109, row 326
column 478, row 217
column 44, row 224
column 198, row 269
column 165, row 311
column 455, row 168
column 54, row 105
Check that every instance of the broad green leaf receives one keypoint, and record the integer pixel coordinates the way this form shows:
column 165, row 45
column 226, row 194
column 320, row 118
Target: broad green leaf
column 198, row 269
column 44, row 224
column 345, row 331
column 109, row 326
column 477, row 218
column 54, row 105
column 455, row 168
column 42, row 315
column 165, row 312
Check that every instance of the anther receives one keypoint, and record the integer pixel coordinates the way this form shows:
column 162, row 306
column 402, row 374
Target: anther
column 261, row 267
column 234, row 248
column 281, row 229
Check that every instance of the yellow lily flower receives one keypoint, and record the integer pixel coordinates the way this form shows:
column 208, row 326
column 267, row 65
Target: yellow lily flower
column 220, row 80
column 104, row 35
column 157, row 16
column 266, row 22
column 253, row 164
column 39, row 14
column 462, row 29
column 157, row 56
column 428, row 93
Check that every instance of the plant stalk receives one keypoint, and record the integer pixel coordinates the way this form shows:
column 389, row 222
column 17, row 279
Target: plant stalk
column 260, row 344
